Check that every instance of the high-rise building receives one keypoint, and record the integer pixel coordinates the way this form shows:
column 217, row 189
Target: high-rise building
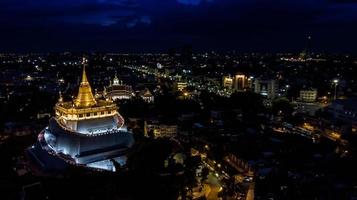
column 266, row 87
column 240, row 82
column 86, row 131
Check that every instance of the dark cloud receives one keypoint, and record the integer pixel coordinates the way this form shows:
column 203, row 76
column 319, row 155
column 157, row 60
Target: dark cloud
column 125, row 25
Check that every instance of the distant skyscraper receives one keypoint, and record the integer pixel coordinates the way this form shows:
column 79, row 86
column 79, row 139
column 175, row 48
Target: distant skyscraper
column 306, row 53
column 186, row 54
column 308, row 48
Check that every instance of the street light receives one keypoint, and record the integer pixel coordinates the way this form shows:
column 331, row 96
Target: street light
column 335, row 82
column 286, row 89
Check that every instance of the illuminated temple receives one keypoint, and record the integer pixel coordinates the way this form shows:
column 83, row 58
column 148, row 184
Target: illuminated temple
column 87, row 131
column 118, row 90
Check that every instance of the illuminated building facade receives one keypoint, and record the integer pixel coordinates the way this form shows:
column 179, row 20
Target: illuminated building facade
column 227, row 82
column 86, row 131
column 147, row 96
column 118, row 90
column 240, row 83
column 266, row 87
column 180, row 86
column 308, row 96
column 160, row 130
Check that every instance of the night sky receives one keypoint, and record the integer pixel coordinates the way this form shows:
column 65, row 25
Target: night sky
column 158, row 25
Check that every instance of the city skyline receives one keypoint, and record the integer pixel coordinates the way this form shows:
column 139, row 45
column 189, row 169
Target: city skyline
column 171, row 126
column 178, row 99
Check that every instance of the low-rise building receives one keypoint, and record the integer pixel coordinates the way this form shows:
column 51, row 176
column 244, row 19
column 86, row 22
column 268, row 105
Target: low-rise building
column 181, row 85
column 227, row 82
column 147, row 96
column 160, row 130
column 308, row 96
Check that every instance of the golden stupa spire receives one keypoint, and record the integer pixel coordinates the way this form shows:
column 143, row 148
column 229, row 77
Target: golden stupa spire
column 85, row 96
column 84, row 75
column 60, row 98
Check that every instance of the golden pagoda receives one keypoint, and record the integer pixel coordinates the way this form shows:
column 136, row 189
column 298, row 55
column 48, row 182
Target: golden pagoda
column 84, row 107
column 85, row 96
column 85, row 131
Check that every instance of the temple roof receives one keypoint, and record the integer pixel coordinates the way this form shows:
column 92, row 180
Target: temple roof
column 146, row 93
column 85, row 96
